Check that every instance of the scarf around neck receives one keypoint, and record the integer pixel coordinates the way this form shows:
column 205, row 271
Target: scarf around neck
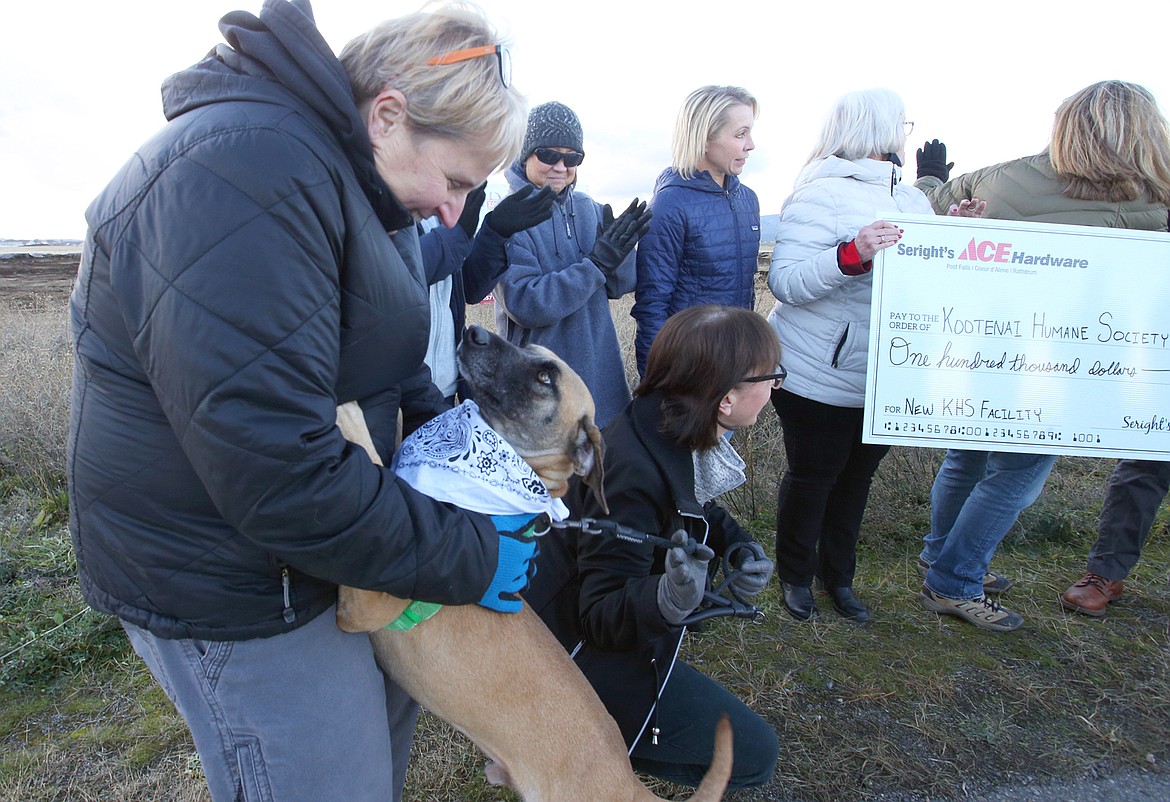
column 457, row 458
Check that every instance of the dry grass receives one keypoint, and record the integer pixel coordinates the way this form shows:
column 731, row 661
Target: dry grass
column 911, row 704
column 35, row 365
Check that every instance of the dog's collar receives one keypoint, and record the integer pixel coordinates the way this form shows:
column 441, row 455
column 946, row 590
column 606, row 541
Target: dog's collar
column 415, row 613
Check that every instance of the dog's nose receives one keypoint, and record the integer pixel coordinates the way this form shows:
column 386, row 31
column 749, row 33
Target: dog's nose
column 478, row 335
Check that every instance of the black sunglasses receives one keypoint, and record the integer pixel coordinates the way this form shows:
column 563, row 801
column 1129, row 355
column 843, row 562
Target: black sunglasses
column 776, row 378
column 550, row 157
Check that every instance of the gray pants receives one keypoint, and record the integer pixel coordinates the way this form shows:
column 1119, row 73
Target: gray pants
column 305, row 715
column 1132, row 497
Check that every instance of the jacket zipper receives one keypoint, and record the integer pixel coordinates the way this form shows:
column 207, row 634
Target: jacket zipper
column 286, row 585
column 840, row 345
column 738, row 244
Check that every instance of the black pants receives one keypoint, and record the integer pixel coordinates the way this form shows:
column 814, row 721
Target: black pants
column 823, row 493
column 688, row 711
column 1132, row 498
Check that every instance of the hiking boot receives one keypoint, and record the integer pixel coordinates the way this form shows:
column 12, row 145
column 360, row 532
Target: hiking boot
column 983, row 612
column 993, row 583
column 1092, row 594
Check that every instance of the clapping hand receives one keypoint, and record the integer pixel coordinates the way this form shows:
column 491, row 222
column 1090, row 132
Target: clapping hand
column 616, row 238
column 523, row 209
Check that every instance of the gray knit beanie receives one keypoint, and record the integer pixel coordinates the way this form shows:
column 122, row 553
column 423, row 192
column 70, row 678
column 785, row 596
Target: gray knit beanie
column 551, row 125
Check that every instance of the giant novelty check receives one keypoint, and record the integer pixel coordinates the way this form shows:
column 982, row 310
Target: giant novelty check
column 1027, row 337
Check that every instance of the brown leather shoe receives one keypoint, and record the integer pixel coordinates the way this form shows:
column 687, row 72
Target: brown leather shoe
column 1092, row 594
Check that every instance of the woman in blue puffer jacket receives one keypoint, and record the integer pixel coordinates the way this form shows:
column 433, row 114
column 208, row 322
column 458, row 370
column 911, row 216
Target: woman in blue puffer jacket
column 703, row 241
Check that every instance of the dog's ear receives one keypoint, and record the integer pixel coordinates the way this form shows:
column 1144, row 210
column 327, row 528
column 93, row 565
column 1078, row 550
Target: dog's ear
column 589, row 460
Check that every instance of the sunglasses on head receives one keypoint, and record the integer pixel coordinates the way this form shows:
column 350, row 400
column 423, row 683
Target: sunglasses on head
column 503, row 59
column 550, row 157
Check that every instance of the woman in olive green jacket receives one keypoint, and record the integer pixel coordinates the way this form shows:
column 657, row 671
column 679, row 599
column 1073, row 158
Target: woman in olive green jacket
column 1108, row 165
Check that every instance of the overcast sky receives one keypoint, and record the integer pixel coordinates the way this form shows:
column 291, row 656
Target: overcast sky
column 79, row 80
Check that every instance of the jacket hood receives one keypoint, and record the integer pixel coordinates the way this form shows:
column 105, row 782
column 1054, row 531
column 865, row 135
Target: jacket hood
column 281, row 58
column 517, row 178
column 701, row 182
column 871, row 171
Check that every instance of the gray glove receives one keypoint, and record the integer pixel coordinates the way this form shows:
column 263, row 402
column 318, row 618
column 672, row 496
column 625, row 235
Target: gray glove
column 681, row 588
column 754, row 569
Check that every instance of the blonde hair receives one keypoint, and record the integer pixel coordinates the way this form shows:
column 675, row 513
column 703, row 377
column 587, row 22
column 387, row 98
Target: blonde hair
column 702, row 116
column 463, row 101
column 861, row 124
column 1112, row 143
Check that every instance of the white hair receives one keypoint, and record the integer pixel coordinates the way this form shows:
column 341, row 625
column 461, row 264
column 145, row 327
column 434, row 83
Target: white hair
column 861, row 124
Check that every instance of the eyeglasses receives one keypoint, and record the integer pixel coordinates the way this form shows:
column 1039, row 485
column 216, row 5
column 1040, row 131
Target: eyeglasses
column 909, row 126
column 467, row 54
column 776, row 378
column 550, row 157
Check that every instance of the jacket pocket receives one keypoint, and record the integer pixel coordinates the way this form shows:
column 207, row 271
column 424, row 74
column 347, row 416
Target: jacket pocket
column 840, row 347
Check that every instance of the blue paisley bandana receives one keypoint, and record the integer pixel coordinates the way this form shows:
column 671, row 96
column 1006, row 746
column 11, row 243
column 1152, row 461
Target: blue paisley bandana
column 457, row 458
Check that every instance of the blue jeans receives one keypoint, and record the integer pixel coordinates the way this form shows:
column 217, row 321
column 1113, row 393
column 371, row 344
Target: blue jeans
column 298, row 717
column 975, row 499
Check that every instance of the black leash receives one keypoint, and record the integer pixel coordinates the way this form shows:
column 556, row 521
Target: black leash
column 718, row 602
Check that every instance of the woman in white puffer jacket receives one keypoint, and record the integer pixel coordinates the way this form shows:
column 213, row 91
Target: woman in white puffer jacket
column 830, row 231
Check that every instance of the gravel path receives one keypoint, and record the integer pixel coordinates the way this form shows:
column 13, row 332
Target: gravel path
column 1121, row 786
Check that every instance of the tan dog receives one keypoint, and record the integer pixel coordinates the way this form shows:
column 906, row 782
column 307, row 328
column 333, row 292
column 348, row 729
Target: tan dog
column 503, row 679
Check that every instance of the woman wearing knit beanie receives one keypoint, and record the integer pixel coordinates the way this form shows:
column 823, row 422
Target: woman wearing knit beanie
column 563, row 272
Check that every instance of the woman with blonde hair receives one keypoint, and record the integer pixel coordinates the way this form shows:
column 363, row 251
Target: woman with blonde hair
column 703, row 241
column 820, row 276
column 1107, row 165
column 254, row 265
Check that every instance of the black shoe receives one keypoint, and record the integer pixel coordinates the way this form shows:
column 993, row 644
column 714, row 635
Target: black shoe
column 849, row 606
column 799, row 601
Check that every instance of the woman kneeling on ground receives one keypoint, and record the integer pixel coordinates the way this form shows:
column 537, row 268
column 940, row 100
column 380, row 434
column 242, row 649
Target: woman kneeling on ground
column 620, row 607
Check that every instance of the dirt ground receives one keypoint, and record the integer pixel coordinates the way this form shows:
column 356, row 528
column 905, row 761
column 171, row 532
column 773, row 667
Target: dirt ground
column 28, row 278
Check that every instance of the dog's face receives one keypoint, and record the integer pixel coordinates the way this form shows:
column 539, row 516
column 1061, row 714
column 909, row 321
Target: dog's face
column 536, row 402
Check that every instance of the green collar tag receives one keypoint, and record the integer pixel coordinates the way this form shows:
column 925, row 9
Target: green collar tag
column 415, row 613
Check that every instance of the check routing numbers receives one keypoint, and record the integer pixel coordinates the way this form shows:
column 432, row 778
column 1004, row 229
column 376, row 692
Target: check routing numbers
column 1034, row 342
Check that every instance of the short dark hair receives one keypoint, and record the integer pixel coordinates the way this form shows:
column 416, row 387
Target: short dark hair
column 699, row 355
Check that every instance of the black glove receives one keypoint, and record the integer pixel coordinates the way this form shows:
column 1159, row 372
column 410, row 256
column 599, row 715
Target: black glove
column 520, row 210
column 469, row 220
column 932, row 160
column 616, row 238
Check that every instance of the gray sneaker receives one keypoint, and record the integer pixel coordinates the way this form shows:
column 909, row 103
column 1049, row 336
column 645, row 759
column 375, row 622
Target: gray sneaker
column 983, row 612
column 993, row 583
